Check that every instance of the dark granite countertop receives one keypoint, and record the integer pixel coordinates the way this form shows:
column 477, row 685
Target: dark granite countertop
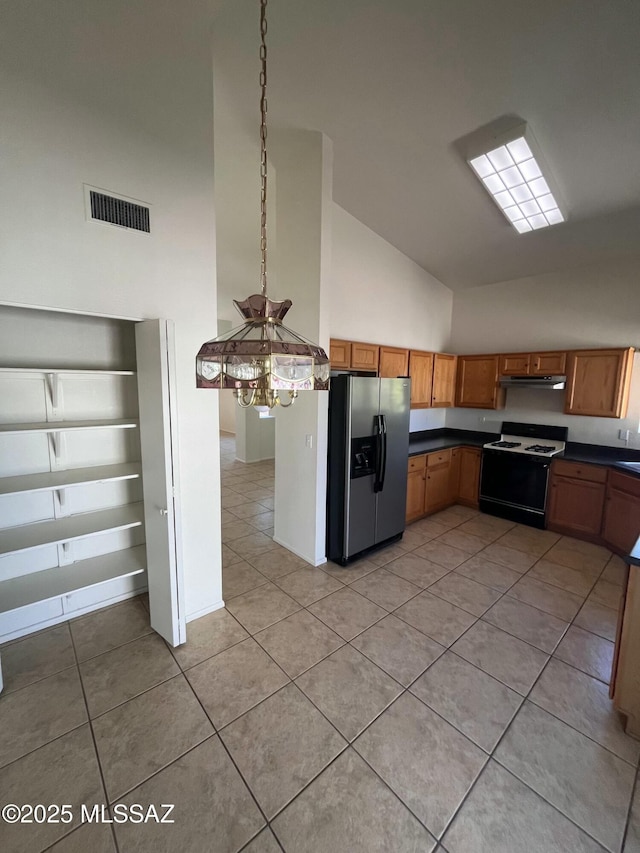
column 432, row 440
column 621, row 458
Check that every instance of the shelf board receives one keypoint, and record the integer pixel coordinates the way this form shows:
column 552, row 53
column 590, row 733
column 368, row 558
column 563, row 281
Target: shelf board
column 67, row 370
column 66, row 426
column 49, row 481
column 13, row 540
column 61, row 580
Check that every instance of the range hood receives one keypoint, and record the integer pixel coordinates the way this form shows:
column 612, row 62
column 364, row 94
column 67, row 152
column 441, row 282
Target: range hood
column 554, row 383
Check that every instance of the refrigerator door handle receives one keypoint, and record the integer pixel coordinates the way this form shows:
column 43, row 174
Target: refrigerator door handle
column 383, row 464
column 377, row 431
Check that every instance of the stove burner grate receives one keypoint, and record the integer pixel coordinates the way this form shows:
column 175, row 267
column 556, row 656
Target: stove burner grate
column 506, row 444
column 541, row 448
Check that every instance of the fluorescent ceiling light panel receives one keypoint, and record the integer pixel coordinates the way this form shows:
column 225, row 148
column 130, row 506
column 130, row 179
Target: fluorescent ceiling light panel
column 515, row 175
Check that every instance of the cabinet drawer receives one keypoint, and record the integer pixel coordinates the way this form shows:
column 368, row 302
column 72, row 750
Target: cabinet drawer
column 417, row 463
column 624, row 483
column 442, row 457
column 579, row 471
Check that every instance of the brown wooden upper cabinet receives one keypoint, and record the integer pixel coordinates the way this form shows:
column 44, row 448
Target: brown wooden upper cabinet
column 433, row 379
column 533, row 364
column 364, row 356
column 340, row 354
column 477, row 382
column 548, row 363
column 353, row 355
column 598, row 382
column 421, row 373
column 393, row 362
column 444, row 380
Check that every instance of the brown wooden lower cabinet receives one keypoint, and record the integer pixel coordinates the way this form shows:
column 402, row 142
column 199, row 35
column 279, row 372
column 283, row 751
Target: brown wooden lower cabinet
column 625, row 675
column 437, row 480
column 576, row 498
column 437, row 493
column 621, row 523
column 469, row 476
column 416, row 475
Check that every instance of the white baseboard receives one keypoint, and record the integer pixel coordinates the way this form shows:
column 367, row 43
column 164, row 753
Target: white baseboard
column 311, row 560
column 211, row 609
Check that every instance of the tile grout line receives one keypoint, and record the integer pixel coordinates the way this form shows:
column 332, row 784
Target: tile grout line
column 634, row 791
column 216, row 732
column 478, row 618
column 93, row 739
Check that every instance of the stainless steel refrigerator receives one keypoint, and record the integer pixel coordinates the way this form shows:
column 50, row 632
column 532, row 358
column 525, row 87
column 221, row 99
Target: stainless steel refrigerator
column 367, row 463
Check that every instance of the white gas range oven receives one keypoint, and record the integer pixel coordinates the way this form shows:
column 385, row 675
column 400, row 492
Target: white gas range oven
column 515, row 471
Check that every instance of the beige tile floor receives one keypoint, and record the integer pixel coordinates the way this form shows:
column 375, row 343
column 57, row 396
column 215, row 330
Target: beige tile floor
column 449, row 693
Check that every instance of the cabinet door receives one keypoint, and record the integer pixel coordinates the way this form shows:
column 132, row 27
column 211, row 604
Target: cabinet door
column 454, row 474
column 393, row 362
column 444, row 380
column 598, row 383
column 548, row 363
column 340, row 354
column 158, row 440
column 515, row 364
column 437, row 491
column 576, row 505
column 421, row 373
column 477, row 385
column 621, row 525
column 364, row 356
column 415, row 495
column 469, row 478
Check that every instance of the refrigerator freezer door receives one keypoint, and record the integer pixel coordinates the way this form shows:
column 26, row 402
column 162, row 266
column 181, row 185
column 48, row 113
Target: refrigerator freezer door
column 361, row 502
column 391, row 500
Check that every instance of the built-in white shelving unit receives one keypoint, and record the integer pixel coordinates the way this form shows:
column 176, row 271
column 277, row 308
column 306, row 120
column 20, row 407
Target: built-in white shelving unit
column 68, row 426
column 71, row 510
column 62, row 530
column 66, row 479
column 53, row 583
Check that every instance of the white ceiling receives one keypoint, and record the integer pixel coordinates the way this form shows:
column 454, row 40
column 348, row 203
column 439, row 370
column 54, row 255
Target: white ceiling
column 397, row 83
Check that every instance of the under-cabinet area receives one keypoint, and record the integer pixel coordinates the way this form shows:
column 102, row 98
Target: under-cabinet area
column 72, row 502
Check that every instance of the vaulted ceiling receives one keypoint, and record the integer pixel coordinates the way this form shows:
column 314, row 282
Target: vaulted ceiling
column 396, row 84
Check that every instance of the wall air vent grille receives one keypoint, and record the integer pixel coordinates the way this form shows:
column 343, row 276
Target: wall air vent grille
column 117, row 211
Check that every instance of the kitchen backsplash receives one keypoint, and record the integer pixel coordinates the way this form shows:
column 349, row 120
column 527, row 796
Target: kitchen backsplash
column 541, row 406
column 421, row 419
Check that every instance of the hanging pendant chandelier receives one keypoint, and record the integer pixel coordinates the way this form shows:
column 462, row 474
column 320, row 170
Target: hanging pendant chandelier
column 263, row 357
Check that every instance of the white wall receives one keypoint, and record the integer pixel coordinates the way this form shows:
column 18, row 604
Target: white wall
column 255, row 436
column 304, row 165
column 119, row 95
column 379, row 295
column 583, row 308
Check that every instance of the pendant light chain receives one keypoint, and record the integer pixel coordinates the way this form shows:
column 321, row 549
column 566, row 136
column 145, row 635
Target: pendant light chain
column 263, row 147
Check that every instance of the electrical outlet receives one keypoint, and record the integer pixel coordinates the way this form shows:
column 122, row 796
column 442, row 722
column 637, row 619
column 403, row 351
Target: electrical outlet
column 623, row 434
column 308, row 442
